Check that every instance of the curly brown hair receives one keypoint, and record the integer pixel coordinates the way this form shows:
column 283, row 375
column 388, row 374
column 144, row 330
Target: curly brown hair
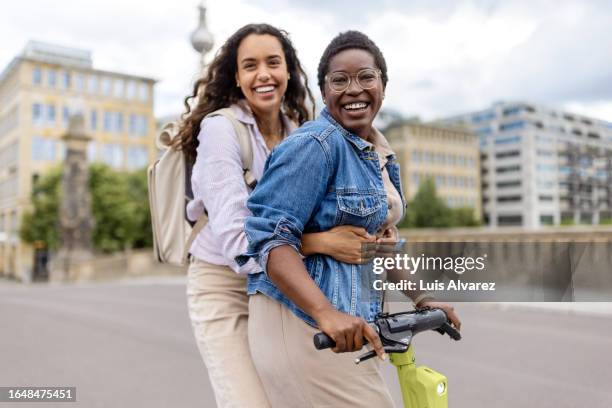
column 217, row 88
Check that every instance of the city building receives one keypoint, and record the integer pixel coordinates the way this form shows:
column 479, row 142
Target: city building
column 542, row 166
column 448, row 155
column 39, row 91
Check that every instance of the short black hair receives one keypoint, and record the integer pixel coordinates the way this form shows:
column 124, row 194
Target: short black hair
column 350, row 40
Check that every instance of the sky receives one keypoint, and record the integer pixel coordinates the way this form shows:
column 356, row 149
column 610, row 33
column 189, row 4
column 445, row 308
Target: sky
column 444, row 57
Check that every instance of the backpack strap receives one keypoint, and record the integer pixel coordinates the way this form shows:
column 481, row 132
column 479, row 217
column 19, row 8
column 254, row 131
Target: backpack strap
column 244, row 140
column 202, row 221
column 246, row 157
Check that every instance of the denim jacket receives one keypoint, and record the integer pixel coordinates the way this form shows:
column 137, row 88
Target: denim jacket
column 320, row 177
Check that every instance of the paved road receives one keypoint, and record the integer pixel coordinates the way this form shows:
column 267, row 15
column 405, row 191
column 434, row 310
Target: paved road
column 130, row 345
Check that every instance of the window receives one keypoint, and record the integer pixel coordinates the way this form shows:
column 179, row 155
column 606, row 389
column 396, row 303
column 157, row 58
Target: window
column 512, row 110
column 507, row 169
column 483, row 116
column 544, row 140
column 546, row 167
column 143, row 92
column 37, row 76
column 511, row 153
column 543, row 152
column 106, row 86
column 118, row 88
column 507, row 220
column 507, row 140
column 484, row 131
column 143, row 125
column 593, row 135
column 51, row 78
column 91, row 152
column 93, row 119
column 512, row 126
column 130, row 89
column 37, row 113
column 137, row 157
column 547, row 219
column 51, row 115
column 112, row 154
column 79, row 82
column 132, row 125
column 93, row 84
column 67, row 79
column 118, row 122
column 43, row 149
column 508, row 184
column 65, row 116
column 108, row 121
column 545, row 198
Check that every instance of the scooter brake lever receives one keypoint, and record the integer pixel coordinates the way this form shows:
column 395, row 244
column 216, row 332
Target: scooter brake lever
column 388, row 349
column 446, row 328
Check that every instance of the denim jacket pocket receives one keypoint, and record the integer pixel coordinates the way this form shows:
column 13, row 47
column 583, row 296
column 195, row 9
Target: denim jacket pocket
column 357, row 207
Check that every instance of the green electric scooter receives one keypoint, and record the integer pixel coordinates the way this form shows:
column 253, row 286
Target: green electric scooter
column 421, row 386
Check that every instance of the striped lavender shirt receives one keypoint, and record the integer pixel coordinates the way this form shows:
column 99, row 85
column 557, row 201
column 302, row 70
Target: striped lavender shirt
column 218, row 185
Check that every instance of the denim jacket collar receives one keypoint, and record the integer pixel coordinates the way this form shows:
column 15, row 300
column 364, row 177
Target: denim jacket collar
column 358, row 142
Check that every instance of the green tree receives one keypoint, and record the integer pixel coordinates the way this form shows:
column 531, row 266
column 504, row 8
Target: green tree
column 40, row 225
column 120, row 208
column 464, row 217
column 427, row 210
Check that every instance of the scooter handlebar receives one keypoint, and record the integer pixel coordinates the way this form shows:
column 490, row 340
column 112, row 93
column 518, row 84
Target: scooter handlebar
column 414, row 322
column 323, row 341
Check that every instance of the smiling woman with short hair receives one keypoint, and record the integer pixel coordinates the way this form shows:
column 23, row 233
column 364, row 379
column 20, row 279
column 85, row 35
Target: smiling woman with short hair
column 333, row 171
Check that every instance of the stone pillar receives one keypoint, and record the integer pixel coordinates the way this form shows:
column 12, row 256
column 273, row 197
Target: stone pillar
column 75, row 217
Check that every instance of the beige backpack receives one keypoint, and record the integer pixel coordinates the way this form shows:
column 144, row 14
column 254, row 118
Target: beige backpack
column 169, row 192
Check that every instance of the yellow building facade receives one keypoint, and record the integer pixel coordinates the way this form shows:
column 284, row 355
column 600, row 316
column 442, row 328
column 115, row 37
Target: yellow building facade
column 449, row 156
column 39, row 91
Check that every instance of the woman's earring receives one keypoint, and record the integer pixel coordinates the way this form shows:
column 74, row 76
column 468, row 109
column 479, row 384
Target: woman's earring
column 288, row 76
column 237, row 84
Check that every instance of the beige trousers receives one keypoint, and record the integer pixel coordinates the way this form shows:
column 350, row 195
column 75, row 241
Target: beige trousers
column 297, row 375
column 218, row 308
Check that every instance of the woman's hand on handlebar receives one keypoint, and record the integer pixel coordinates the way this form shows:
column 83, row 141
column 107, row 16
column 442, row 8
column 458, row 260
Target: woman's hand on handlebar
column 448, row 309
column 348, row 332
column 343, row 243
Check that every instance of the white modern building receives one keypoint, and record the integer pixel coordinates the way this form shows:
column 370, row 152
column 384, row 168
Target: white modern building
column 541, row 166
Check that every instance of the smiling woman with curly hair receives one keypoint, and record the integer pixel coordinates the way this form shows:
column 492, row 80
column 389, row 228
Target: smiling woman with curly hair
column 257, row 75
